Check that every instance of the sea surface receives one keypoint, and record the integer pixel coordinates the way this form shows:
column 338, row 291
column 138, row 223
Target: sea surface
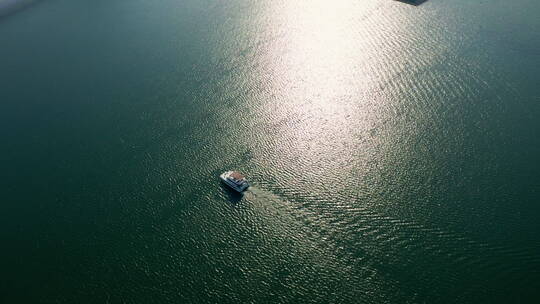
column 393, row 150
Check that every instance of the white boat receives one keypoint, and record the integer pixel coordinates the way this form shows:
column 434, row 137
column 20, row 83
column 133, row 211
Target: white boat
column 235, row 180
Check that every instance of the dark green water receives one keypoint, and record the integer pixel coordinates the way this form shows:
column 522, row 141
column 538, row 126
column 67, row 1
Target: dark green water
column 394, row 152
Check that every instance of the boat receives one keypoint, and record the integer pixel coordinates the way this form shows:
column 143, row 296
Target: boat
column 235, row 180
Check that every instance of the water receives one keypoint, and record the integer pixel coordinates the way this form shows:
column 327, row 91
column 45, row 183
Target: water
column 393, row 151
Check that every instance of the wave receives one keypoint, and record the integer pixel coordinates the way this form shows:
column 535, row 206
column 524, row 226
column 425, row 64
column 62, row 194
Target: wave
column 8, row 7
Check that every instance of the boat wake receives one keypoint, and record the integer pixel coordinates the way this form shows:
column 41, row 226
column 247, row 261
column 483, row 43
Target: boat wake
column 258, row 193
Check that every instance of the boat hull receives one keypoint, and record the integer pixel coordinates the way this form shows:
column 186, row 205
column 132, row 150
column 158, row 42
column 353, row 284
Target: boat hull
column 238, row 188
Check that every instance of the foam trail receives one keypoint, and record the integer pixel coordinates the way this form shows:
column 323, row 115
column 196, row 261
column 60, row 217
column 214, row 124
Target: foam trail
column 264, row 194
